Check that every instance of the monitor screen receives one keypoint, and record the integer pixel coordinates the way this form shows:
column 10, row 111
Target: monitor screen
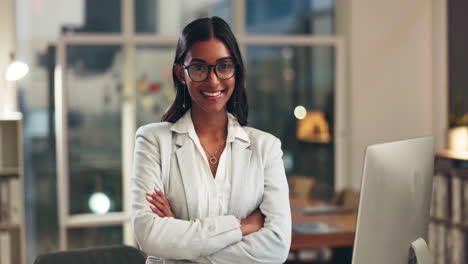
column 395, row 200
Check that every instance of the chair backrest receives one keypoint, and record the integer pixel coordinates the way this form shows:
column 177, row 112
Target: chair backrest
column 301, row 186
column 346, row 198
column 105, row 255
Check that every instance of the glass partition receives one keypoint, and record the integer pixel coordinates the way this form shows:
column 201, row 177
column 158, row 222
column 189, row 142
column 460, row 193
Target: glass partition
column 94, row 128
column 154, row 85
column 291, row 93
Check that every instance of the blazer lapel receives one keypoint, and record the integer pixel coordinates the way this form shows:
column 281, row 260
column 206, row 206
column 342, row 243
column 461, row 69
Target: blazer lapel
column 240, row 162
column 185, row 158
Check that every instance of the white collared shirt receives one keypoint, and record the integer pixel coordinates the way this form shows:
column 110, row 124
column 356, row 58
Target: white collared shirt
column 215, row 192
column 165, row 158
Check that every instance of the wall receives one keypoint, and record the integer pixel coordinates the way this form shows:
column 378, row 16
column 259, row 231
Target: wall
column 458, row 58
column 7, row 37
column 389, row 75
column 7, row 27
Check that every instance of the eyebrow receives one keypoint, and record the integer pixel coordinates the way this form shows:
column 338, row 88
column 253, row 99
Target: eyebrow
column 218, row 60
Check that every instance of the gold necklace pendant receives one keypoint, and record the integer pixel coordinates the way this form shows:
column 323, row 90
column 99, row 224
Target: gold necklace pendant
column 213, row 160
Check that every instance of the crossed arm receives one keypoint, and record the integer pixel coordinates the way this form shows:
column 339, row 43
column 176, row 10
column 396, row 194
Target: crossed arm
column 160, row 206
column 262, row 237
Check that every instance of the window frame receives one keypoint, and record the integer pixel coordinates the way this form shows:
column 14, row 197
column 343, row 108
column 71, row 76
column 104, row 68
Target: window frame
column 129, row 40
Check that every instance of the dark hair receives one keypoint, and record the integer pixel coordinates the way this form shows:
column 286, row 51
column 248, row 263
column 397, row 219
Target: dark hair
column 201, row 30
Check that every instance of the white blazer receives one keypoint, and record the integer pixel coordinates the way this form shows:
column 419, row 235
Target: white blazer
column 163, row 159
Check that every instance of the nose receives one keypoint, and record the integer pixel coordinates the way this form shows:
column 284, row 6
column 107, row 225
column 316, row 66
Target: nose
column 212, row 78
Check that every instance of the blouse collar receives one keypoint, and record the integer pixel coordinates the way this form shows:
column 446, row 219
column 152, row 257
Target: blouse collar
column 235, row 130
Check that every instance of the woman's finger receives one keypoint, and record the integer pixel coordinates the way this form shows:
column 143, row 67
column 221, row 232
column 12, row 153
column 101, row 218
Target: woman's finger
column 163, row 208
column 161, row 194
column 157, row 197
column 157, row 191
column 161, row 200
column 154, row 195
column 156, row 203
column 156, row 211
column 150, row 198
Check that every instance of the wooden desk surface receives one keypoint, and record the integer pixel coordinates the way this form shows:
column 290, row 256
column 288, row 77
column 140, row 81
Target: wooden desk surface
column 345, row 224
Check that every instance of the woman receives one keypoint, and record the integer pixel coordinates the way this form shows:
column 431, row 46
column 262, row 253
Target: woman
column 205, row 187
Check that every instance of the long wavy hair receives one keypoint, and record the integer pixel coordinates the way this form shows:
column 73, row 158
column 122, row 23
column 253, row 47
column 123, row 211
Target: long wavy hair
column 201, row 30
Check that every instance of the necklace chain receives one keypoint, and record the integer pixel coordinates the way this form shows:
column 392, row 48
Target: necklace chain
column 212, row 158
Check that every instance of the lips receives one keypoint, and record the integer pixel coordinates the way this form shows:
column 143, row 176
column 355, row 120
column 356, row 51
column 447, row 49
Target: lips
column 212, row 95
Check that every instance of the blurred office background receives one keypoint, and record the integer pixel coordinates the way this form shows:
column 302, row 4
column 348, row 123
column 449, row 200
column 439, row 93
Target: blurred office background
column 327, row 77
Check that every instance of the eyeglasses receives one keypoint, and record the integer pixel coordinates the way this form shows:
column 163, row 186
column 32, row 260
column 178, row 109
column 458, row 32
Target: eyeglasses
column 199, row 72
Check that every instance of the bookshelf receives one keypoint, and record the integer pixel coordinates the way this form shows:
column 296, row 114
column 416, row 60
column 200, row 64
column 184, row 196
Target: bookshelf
column 12, row 237
column 448, row 227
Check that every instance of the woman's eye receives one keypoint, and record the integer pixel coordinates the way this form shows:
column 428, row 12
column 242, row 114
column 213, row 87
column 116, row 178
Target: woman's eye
column 198, row 67
column 226, row 66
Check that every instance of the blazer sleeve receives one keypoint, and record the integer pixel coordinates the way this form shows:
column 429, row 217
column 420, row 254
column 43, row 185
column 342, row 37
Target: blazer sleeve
column 271, row 243
column 171, row 238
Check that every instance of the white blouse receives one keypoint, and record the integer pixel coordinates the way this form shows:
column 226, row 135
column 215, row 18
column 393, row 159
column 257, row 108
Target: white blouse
column 173, row 162
column 215, row 192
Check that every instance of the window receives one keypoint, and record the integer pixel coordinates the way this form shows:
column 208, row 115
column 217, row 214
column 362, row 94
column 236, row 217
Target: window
column 119, row 78
column 282, row 78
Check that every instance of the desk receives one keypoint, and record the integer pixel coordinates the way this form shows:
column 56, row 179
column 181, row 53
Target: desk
column 345, row 224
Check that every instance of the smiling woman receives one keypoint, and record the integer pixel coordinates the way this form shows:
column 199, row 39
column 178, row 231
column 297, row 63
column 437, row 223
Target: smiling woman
column 206, row 188
column 209, row 90
column 201, row 41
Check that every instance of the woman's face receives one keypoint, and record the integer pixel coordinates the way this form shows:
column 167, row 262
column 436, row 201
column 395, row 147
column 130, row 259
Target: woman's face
column 212, row 94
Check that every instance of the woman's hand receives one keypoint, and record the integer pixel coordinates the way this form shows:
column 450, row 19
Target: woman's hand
column 252, row 223
column 159, row 204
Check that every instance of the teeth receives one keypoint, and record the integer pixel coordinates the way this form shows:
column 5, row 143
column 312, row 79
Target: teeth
column 212, row 94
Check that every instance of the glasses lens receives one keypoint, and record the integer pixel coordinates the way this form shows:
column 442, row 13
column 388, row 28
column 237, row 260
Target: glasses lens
column 198, row 72
column 225, row 70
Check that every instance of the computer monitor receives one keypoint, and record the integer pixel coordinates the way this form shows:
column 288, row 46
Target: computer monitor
column 394, row 203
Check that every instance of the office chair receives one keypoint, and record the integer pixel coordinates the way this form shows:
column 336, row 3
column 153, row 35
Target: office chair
column 346, row 198
column 105, row 255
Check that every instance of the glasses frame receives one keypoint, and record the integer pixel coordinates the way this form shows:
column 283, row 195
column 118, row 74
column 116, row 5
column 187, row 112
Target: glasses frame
column 186, row 67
